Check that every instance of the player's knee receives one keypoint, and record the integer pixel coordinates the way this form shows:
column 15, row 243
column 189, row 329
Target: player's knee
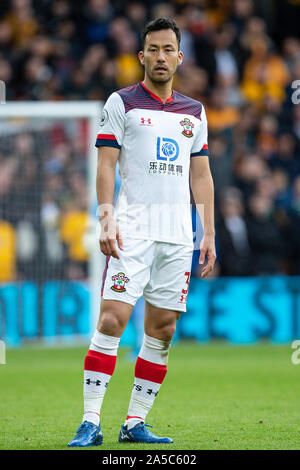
column 166, row 333
column 110, row 324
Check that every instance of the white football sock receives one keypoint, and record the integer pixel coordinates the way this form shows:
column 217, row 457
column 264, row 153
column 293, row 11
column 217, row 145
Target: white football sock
column 98, row 368
column 150, row 371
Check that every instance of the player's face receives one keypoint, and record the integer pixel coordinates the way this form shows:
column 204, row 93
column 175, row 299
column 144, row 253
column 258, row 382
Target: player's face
column 161, row 56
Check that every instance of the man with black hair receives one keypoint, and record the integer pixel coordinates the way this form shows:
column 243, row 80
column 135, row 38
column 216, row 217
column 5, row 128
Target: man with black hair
column 159, row 138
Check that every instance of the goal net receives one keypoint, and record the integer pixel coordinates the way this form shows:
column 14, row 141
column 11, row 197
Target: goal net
column 50, row 262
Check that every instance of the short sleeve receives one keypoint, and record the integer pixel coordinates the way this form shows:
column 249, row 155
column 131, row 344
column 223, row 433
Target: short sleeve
column 112, row 123
column 200, row 146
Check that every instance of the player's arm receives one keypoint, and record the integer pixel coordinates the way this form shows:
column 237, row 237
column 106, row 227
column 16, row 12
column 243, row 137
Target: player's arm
column 105, row 183
column 203, row 192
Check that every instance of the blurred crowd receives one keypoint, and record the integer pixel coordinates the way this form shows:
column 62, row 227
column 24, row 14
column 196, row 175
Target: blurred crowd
column 241, row 60
column 44, row 200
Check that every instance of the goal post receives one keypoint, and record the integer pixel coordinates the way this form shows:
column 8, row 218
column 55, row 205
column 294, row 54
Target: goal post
column 34, row 119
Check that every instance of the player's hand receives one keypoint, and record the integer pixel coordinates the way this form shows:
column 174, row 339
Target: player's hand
column 109, row 238
column 207, row 250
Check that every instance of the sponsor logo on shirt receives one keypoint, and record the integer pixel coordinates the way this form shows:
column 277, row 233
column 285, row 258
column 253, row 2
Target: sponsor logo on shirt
column 165, row 169
column 166, row 149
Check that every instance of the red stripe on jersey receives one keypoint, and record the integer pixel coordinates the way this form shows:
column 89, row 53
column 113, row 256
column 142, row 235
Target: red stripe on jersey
column 205, row 147
column 99, row 362
column 150, row 371
column 106, row 136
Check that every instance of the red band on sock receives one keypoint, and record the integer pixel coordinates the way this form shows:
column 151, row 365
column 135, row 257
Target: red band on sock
column 138, row 417
column 94, row 412
column 150, row 371
column 99, row 362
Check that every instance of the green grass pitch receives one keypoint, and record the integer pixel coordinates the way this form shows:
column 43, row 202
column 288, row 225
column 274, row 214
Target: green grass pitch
column 215, row 396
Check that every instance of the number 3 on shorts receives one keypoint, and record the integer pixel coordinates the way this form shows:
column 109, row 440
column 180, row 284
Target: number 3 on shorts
column 184, row 292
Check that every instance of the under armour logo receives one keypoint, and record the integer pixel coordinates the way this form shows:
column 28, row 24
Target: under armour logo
column 146, row 122
column 150, row 392
column 96, row 382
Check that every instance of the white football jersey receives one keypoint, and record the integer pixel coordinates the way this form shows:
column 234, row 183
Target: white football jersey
column 156, row 142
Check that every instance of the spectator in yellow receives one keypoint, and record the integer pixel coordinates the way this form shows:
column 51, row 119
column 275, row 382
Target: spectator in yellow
column 22, row 22
column 129, row 70
column 72, row 229
column 265, row 73
column 7, row 252
column 220, row 115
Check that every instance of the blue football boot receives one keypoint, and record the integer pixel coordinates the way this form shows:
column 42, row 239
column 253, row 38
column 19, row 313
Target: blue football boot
column 88, row 434
column 141, row 433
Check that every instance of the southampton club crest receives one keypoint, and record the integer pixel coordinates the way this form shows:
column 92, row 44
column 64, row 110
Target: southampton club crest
column 119, row 282
column 187, row 127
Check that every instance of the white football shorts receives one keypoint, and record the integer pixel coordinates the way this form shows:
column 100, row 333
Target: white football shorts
column 158, row 271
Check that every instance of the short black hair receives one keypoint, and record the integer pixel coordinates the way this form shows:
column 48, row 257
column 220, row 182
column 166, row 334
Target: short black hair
column 157, row 25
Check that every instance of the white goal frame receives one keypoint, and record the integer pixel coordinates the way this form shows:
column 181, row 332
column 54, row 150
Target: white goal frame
column 90, row 110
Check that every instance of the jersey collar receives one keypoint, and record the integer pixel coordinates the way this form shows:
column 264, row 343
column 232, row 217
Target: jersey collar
column 155, row 97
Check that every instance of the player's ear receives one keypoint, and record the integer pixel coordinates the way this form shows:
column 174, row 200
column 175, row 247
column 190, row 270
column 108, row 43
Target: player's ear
column 180, row 57
column 141, row 57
